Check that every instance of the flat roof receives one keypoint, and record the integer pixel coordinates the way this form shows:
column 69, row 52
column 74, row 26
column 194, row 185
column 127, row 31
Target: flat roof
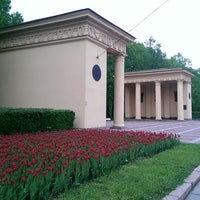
column 163, row 74
column 84, row 23
column 69, row 18
column 158, row 71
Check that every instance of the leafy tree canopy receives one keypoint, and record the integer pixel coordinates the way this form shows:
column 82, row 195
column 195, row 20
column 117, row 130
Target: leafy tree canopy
column 150, row 56
column 7, row 18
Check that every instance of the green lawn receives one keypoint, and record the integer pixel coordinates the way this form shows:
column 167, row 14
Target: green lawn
column 145, row 179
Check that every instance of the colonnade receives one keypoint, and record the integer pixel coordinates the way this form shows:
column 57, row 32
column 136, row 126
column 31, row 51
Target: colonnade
column 165, row 93
column 182, row 96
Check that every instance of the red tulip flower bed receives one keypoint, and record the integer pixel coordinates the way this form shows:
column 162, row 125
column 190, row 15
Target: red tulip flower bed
column 39, row 166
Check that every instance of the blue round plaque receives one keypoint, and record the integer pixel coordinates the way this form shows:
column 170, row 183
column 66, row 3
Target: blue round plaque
column 96, row 72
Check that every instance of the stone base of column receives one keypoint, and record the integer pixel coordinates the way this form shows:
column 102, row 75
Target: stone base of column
column 138, row 119
column 158, row 118
column 117, row 127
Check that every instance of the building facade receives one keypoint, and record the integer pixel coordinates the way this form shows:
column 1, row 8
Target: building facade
column 158, row 94
column 60, row 62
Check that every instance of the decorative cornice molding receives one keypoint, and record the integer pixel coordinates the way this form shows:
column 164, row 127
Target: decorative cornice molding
column 162, row 75
column 63, row 34
column 155, row 79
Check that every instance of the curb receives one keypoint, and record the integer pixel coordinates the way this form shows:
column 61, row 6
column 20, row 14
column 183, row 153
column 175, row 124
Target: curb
column 181, row 192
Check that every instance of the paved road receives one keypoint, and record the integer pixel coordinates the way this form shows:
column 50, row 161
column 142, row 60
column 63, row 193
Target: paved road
column 189, row 130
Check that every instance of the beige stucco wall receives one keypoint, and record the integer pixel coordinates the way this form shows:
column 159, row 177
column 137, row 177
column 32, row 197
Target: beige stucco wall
column 95, row 91
column 129, row 101
column 47, row 63
column 172, row 104
column 169, row 105
column 55, row 76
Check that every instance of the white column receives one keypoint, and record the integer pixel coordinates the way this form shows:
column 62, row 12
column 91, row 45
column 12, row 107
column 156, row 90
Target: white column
column 189, row 100
column 127, row 102
column 158, row 100
column 137, row 101
column 119, row 92
column 180, row 113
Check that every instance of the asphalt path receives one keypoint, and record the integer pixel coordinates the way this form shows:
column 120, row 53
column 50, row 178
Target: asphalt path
column 189, row 130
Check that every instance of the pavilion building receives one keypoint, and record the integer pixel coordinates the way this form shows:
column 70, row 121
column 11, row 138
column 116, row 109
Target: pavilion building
column 158, row 94
column 60, row 62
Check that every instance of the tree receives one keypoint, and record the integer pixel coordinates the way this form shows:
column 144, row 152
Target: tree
column 137, row 57
column 147, row 56
column 150, row 56
column 185, row 62
column 7, row 19
column 110, row 87
column 157, row 57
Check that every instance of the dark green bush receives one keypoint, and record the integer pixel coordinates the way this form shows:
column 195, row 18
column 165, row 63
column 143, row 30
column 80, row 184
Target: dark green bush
column 24, row 120
column 195, row 114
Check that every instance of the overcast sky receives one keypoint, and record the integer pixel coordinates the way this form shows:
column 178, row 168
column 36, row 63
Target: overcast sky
column 175, row 25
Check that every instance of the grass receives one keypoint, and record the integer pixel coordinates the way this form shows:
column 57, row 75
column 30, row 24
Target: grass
column 145, row 179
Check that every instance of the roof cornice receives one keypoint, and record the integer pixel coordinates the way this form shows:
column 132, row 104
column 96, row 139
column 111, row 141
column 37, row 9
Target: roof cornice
column 169, row 74
column 60, row 28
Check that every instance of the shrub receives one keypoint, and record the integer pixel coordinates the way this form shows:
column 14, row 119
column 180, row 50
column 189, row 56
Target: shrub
column 195, row 114
column 22, row 120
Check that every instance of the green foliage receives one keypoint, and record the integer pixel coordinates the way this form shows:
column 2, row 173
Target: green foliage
column 151, row 178
column 137, row 57
column 149, row 56
column 110, row 86
column 23, row 120
column 195, row 93
column 7, row 19
column 182, row 62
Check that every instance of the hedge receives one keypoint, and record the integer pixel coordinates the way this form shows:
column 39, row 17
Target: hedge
column 25, row 120
column 195, row 114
